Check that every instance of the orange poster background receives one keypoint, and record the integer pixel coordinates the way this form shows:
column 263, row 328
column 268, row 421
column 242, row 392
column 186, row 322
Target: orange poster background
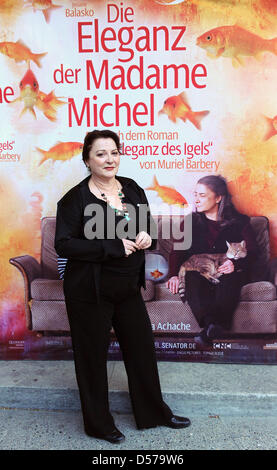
column 40, row 156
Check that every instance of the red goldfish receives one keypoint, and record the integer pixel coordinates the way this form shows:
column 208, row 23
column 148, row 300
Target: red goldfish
column 178, row 107
column 45, row 6
column 32, row 96
column 156, row 274
column 272, row 127
column 28, row 92
column 235, row 42
column 48, row 103
column 19, row 52
column 61, row 151
column 168, row 194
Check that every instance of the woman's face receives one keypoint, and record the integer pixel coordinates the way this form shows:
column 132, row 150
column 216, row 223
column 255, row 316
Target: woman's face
column 205, row 199
column 104, row 158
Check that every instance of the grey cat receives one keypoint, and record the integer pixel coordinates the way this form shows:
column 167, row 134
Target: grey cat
column 207, row 264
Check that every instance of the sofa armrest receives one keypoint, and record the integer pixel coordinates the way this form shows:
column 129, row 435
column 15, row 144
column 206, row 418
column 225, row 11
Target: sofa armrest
column 272, row 271
column 30, row 270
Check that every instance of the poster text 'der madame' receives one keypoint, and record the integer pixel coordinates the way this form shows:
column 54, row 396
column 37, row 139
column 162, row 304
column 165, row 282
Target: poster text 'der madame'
column 136, row 76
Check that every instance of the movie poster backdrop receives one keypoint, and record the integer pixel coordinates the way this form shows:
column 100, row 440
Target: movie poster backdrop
column 190, row 88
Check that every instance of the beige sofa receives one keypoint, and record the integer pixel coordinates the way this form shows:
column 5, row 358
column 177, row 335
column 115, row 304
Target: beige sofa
column 44, row 298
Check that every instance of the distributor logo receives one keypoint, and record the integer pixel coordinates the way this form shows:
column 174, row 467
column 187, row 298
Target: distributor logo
column 270, row 346
column 222, row 345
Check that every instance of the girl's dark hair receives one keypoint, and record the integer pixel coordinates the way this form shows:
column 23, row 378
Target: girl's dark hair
column 96, row 134
column 227, row 213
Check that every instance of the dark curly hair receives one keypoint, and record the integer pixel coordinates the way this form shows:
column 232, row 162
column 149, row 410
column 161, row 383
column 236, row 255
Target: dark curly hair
column 98, row 134
column 227, row 213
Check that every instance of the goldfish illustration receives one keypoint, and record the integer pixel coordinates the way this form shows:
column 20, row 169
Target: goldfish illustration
column 48, row 103
column 178, row 107
column 33, row 97
column 20, row 52
column 61, row 151
column 234, row 42
column 168, row 194
column 272, row 127
column 156, row 274
column 28, row 92
column 45, row 6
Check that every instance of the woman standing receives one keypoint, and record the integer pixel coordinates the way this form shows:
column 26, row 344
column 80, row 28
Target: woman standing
column 215, row 221
column 102, row 282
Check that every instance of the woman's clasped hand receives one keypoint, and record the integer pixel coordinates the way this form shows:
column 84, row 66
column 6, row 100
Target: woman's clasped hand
column 143, row 241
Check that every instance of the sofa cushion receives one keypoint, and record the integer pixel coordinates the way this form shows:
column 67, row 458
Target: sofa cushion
column 255, row 318
column 254, row 292
column 163, row 293
column 52, row 289
column 148, row 293
column 258, row 291
column 47, row 289
column 49, row 317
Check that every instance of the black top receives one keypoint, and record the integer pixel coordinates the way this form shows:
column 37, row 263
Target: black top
column 209, row 237
column 123, row 266
column 247, row 234
column 76, row 212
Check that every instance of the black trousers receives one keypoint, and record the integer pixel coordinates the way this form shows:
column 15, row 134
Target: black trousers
column 121, row 306
column 214, row 303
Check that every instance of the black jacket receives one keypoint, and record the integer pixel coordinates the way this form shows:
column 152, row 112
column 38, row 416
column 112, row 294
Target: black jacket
column 237, row 231
column 83, row 269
